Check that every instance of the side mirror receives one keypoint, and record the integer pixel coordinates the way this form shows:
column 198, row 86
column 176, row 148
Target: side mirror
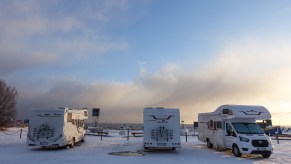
column 228, row 133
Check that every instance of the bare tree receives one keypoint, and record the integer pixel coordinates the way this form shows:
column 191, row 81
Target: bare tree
column 7, row 104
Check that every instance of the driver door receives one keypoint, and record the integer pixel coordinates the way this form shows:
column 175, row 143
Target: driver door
column 230, row 136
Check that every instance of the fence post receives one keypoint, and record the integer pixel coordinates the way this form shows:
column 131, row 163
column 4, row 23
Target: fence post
column 277, row 135
column 20, row 133
column 277, row 138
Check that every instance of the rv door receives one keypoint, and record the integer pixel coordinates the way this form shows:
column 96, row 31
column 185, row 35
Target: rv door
column 230, row 136
column 220, row 134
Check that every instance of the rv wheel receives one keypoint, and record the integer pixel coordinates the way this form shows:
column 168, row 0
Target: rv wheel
column 209, row 144
column 72, row 143
column 236, row 151
column 266, row 155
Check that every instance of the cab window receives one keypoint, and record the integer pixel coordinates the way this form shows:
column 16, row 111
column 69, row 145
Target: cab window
column 229, row 130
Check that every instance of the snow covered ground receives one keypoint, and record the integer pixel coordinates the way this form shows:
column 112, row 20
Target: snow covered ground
column 13, row 151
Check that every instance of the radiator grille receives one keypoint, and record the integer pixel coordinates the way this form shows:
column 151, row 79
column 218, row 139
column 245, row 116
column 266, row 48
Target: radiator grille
column 260, row 143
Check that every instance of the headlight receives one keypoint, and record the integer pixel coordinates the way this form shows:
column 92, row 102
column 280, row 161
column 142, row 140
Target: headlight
column 242, row 139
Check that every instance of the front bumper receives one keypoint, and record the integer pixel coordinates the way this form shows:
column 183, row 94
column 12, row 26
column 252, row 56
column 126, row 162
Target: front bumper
column 248, row 148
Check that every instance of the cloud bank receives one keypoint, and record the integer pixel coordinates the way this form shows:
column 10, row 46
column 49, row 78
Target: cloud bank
column 247, row 72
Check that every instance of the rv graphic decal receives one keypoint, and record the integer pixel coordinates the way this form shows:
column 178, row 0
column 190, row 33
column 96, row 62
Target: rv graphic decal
column 251, row 112
column 45, row 131
column 162, row 134
column 161, row 119
column 49, row 115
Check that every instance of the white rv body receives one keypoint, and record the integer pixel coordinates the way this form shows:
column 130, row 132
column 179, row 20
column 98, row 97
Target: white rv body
column 56, row 127
column 234, row 127
column 161, row 128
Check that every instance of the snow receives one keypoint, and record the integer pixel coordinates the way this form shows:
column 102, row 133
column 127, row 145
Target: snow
column 13, row 151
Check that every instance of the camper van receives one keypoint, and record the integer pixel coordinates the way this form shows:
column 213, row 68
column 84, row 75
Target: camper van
column 234, row 127
column 161, row 128
column 59, row 127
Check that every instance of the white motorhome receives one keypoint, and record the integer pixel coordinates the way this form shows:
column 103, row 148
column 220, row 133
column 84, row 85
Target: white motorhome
column 59, row 127
column 234, row 127
column 161, row 128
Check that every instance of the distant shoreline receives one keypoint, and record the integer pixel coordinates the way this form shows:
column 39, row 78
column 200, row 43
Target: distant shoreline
column 140, row 125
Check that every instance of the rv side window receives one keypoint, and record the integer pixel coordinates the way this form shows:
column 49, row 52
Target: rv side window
column 74, row 121
column 211, row 125
column 69, row 117
column 227, row 111
column 80, row 123
column 218, row 125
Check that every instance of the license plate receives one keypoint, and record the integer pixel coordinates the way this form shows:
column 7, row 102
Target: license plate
column 43, row 143
column 162, row 144
column 262, row 148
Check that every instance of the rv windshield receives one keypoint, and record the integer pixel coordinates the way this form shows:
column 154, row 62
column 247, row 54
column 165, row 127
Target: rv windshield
column 247, row 128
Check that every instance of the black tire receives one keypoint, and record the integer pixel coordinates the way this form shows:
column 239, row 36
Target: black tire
column 72, row 143
column 209, row 144
column 266, row 155
column 173, row 148
column 235, row 151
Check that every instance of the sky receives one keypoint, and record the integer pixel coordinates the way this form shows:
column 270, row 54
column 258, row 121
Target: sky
column 124, row 55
